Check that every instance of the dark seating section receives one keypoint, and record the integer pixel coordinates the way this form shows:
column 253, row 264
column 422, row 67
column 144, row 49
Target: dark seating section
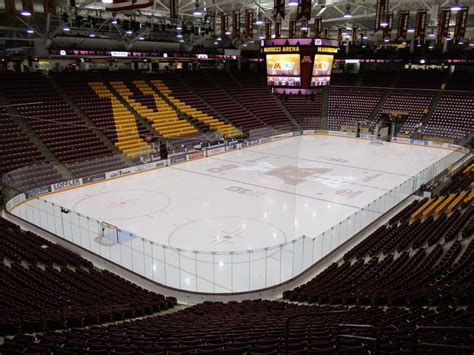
column 55, row 122
column 259, row 327
column 460, row 181
column 246, row 87
column 230, row 96
column 411, row 101
column 18, row 151
column 422, row 256
column 306, row 110
column 46, row 287
column 453, row 117
column 98, row 109
column 350, row 105
column 215, row 100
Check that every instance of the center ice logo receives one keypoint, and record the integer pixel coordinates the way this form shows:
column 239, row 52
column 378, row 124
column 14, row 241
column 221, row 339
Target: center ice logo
column 292, row 175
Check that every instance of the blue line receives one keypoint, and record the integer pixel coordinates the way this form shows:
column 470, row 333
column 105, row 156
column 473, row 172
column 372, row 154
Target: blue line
column 273, row 189
column 325, row 162
column 319, row 177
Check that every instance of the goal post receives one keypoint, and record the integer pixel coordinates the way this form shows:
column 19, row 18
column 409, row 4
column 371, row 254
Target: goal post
column 376, row 138
column 108, row 234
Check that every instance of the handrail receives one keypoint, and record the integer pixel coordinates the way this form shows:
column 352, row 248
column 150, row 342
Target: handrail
column 322, row 313
column 442, row 346
column 357, row 337
column 426, row 327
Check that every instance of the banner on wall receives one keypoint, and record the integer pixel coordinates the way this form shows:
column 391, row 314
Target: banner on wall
column 173, row 8
column 94, row 178
column 178, row 158
column 29, row 6
column 354, row 34
column 248, row 23
column 402, row 28
column 212, row 22
column 279, row 9
column 444, row 17
column 461, row 22
column 236, row 24
column 339, row 35
column 38, row 191
column 420, row 26
column 304, row 33
column 278, row 29
column 215, row 151
column 224, row 24
column 196, row 155
column 125, row 5
column 304, row 10
column 66, row 184
column 381, row 12
column 387, row 31
column 318, row 27
column 292, row 29
column 10, row 9
column 268, row 30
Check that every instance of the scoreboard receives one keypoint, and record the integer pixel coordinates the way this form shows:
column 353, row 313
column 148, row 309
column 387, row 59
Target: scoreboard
column 299, row 64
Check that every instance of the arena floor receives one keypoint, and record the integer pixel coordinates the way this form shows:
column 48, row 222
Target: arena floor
column 256, row 197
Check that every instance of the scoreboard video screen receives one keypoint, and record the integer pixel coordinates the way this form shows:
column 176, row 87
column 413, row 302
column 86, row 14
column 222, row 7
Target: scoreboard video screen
column 299, row 64
column 322, row 68
column 283, row 70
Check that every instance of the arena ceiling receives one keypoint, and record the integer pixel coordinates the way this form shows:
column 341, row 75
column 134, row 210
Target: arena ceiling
column 332, row 11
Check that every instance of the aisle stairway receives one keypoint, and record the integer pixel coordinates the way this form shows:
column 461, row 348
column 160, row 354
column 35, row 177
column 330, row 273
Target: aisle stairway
column 128, row 137
column 164, row 120
column 226, row 129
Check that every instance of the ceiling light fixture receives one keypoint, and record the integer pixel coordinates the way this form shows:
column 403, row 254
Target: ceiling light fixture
column 197, row 11
column 348, row 13
column 456, row 7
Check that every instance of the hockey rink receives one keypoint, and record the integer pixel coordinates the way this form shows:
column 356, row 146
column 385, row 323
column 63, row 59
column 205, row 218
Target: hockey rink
column 252, row 198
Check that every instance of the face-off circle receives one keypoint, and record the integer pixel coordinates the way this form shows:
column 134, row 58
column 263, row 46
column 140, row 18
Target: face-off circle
column 226, row 234
column 122, row 204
